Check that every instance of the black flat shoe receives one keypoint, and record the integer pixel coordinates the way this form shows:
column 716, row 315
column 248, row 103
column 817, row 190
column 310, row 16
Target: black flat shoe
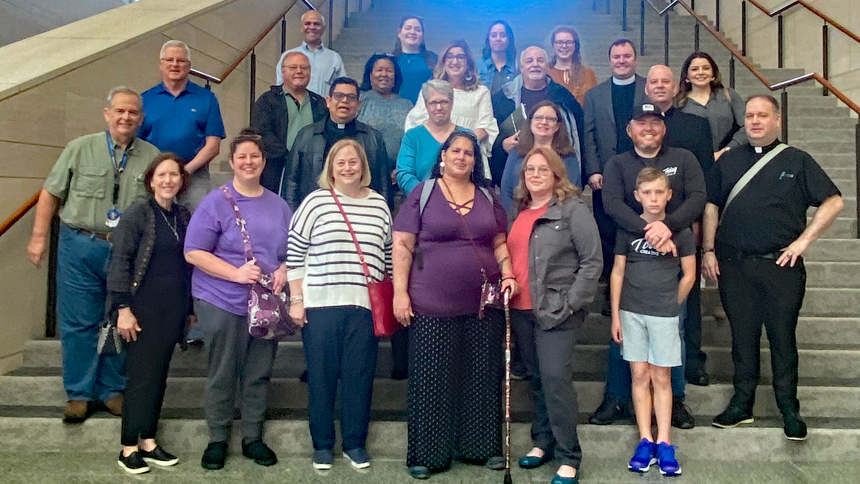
column 260, row 453
column 214, row 456
column 532, row 462
column 159, row 457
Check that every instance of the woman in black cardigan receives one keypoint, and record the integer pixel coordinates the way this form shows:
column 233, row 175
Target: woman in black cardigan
column 149, row 284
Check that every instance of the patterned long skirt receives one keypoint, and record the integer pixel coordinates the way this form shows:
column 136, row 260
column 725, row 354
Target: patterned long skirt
column 455, row 393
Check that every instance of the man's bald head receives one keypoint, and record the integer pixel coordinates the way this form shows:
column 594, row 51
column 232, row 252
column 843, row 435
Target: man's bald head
column 534, row 65
column 660, row 86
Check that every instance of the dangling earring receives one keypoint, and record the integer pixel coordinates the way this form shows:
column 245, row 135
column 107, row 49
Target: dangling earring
column 441, row 168
column 469, row 77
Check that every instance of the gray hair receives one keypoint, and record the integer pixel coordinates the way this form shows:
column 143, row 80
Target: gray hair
column 322, row 17
column 523, row 53
column 438, row 85
column 124, row 90
column 175, row 43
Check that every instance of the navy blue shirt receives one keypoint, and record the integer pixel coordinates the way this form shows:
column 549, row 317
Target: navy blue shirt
column 181, row 123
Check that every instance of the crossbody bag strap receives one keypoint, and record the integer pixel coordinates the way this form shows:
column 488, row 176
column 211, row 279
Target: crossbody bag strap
column 352, row 233
column 750, row 174
column 249, row 254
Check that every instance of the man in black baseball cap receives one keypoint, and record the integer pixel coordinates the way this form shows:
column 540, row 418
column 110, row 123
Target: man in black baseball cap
column 647, row 129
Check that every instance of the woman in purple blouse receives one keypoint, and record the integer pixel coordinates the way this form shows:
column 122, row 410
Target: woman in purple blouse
column 221, row 284
column 442, row 252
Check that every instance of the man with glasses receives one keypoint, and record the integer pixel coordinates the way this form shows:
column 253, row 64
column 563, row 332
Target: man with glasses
column 313, row 142
column 282, row 112
column 184, row 118
column 326, row 64
column 532, row 86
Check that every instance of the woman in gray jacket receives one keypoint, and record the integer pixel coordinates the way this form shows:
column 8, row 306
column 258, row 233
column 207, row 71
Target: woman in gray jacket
column 556, row 256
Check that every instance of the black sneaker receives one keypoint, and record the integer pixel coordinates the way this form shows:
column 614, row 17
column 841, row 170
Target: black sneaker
column 731, row 417
column 133, row 464
column 159, row 457
column 794, row 427
column 681, row 417
column 259, row 452
column 699, row 377
column 610, row 410
column 214, row 456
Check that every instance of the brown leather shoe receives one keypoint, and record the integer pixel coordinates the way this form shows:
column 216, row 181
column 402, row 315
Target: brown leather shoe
column 76, row 411
column 114, row 405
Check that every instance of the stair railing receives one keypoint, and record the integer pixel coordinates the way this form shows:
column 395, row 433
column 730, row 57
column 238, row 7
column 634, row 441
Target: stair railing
column 741, row 57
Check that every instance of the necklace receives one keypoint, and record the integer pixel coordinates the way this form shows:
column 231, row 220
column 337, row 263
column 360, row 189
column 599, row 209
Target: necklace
column 172, row 226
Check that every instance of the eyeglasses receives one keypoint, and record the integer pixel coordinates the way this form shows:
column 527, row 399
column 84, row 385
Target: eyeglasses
column 171, row 60
column 564, row 43
column 439, row 103
column 547, row 119
column 541, row 170
column 296, row 67
column 455, row 57
column 342, row 96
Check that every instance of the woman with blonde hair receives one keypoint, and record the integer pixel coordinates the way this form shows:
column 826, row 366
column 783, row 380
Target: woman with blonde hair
column 330, row 301
column 556, row 258
column 473, row 108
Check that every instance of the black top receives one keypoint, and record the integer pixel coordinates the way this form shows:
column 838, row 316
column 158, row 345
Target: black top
column 529, row 98
column 333, row 133
column 168, row 252
column 622, row 108
column 691, row 132
column 685, row 179
column 770, row 212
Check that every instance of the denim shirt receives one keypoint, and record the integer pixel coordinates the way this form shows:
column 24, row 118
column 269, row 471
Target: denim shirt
column 487, row 70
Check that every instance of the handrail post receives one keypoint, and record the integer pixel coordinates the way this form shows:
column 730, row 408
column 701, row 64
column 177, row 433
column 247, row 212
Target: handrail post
column 784, row 113
column 696, row 37
column 594, row 5
column 666, row 38
column 717, row 15
column 346, row 13
column 608, row 11
column 744, row 28
column 208, row 85
column 732, row 72
column 780, row 26
column 253, row 87
column 825, row 55
column 283, row 34
column 330, row 26
column 857, row 178
column 642, row 27
column 624, row 16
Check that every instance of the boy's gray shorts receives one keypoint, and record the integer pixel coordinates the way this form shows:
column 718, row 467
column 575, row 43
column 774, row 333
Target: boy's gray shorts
column 654, row 339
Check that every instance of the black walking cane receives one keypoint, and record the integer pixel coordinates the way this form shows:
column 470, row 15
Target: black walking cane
column 506, row 298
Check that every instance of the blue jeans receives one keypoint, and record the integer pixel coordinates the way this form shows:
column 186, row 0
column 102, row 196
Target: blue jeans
column 82, row 262
column 618, row 380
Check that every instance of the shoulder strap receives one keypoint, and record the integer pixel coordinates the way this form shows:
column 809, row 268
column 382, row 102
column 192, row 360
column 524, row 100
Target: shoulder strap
column 249, row 254
column 487, row 194
column 426, row 190
column 750, row 174
column 351, row 233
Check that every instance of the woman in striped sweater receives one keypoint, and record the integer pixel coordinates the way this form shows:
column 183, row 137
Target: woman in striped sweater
column 329, row 297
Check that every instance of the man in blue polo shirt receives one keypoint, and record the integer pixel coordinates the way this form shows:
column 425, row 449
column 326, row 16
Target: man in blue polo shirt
column 184, row 118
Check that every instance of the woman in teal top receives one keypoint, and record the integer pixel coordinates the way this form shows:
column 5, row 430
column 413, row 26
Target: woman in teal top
column 415, row 61
column 420, row 146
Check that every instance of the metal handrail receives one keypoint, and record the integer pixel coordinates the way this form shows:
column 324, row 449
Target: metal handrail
column 780, row 10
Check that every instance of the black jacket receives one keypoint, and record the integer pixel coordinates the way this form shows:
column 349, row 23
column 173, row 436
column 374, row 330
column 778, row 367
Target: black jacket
column 506, row 100
column 306, row 161
column 133, row 241
column 693, row 133
column 270, row 118
column 685, row 179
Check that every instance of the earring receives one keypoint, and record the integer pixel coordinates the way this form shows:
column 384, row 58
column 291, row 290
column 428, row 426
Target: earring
column 470, row 77
column 441, row 168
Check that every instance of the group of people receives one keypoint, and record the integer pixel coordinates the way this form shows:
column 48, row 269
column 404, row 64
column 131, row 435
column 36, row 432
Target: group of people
column 451, row 174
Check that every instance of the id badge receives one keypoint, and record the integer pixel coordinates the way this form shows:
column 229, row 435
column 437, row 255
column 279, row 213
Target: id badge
column 112, row 218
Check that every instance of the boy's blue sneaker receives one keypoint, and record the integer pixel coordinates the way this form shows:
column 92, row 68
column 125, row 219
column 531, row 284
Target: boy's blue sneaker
column 644, row 455
column 669, row 465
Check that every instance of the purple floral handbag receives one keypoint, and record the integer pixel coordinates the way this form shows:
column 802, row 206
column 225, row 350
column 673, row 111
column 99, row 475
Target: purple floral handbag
column 268, row 313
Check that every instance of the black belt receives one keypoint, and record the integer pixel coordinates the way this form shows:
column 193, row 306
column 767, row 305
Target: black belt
column 732, row 253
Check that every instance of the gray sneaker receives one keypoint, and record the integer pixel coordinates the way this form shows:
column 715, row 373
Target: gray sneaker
column 358, row 457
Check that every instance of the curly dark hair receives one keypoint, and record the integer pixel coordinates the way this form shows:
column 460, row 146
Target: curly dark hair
column 478, row 177
column 368, row 70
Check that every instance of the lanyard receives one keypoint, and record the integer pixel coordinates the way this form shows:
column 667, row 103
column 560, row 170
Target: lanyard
column 117, row 168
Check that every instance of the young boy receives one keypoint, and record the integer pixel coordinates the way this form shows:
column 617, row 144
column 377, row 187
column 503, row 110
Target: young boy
column 646, row 297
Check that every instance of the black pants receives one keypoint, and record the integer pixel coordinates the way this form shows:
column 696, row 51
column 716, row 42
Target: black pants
column 755, row 290
column 161, row 307
column 548, row 357
column 693, row 323
column 607, row 228
column 455, row 389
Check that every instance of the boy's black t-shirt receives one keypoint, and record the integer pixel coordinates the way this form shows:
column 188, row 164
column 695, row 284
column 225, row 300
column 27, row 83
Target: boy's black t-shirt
column 650, row 277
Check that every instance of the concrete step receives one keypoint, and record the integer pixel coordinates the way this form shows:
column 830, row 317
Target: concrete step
column 798, row 134
column 288, row 397
column 844, row 227
column 832, row 250
column 829, row 159
column 817, row 366
column 387, row 440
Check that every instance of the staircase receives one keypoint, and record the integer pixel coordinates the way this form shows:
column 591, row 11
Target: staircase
column 828, row 334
